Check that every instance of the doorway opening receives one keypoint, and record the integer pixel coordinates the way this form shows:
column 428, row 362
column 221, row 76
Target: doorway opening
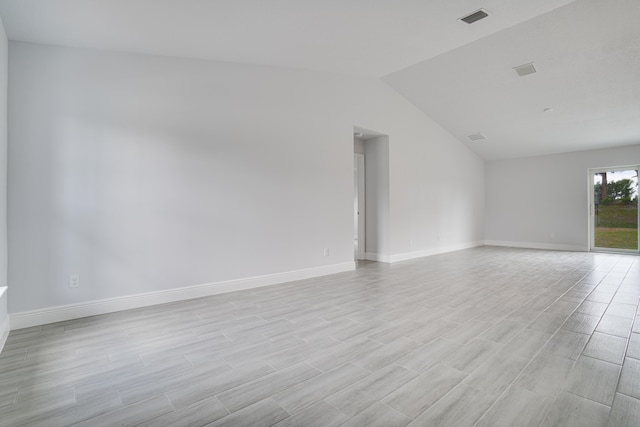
column 613, row 219
column 371, row 195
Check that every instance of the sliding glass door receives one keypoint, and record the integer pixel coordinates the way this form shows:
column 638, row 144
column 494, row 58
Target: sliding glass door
column 614, row 209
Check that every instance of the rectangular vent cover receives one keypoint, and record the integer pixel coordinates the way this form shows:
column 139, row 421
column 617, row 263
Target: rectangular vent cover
column 476, row 136
column 525, row 69
column 475, row 16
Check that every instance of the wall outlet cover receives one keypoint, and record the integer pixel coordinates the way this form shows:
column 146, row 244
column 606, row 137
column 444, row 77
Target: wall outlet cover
column 74, row 281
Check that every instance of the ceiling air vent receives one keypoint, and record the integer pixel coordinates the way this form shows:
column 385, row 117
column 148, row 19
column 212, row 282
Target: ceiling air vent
column 475, row 16
column 476, row 137
column 525, row 69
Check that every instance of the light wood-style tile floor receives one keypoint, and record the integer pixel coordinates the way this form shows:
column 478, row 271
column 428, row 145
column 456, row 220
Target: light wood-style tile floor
column 485, row 337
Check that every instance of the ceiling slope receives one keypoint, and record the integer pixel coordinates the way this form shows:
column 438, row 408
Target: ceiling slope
column 587, row 57
column 358, row 37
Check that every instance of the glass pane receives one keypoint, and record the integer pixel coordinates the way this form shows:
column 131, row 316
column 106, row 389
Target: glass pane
column 616, row 209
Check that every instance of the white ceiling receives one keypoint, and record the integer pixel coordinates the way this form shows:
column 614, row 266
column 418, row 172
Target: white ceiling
column 587, row 56
column 586, row 52
column 360, row 37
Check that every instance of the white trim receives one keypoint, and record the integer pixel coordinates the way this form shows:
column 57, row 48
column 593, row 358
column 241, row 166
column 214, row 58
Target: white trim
column 5, row 327
column 531, row 245
column 362, row 205
column 434, row 251
column 370, row 256
column 4, row 323
column 61, row 313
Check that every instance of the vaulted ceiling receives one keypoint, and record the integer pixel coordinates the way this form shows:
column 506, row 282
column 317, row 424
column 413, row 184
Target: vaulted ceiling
column 586, row 52
column 587, row 57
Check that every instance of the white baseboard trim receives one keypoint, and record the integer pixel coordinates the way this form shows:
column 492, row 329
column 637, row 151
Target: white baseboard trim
column 5, row 327
column 4, row 317
column 61, row 313
column 434, row 251
column 531, row 245
column 370, row 256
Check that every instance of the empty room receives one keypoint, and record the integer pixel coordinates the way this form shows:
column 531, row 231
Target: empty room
column 319, row 213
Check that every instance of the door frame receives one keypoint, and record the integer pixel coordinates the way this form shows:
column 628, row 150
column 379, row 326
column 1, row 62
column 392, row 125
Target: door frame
column 361, row 185
column 592, row 209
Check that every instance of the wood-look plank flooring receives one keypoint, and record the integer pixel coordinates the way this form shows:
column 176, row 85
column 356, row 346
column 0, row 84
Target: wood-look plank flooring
column 486, row 336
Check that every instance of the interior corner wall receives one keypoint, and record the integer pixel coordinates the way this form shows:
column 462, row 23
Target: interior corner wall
column 143, row 173
column 542, row 202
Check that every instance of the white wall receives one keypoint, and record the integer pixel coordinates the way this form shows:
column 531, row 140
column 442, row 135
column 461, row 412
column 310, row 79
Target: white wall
column 530, row 199
column 145, row 173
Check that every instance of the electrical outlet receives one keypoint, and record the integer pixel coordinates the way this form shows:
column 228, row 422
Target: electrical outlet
column 326, row 251
column 74, row 281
